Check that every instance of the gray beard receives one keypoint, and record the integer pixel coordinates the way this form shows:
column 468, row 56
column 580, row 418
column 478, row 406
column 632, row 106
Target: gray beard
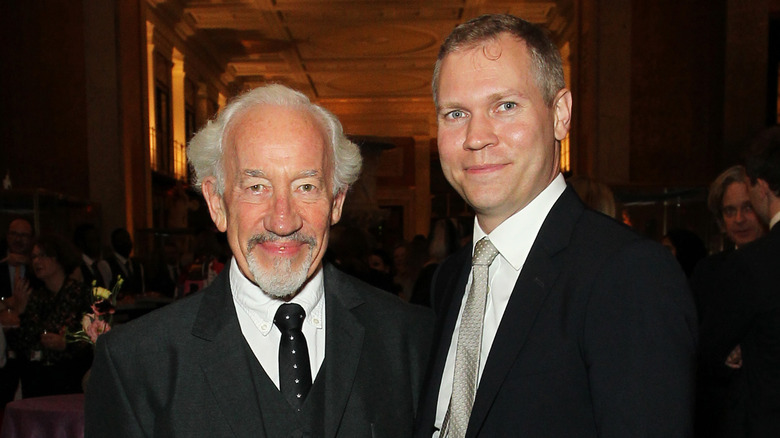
column 283, row 280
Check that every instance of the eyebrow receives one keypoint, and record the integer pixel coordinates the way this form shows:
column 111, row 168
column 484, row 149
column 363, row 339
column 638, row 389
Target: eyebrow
column 493, row 97
column 309, row 173
column 257, row 173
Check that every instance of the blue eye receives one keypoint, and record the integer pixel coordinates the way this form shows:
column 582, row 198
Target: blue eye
column 456, row 114
column 506, row 106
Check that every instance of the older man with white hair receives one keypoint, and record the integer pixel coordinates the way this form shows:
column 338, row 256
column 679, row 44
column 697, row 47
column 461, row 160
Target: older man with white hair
column 279, row 344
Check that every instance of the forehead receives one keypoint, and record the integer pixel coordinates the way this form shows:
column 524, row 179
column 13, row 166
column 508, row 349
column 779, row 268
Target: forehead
column 504, row 57
column 736, row 193
column 268, row 135
column 20, row 226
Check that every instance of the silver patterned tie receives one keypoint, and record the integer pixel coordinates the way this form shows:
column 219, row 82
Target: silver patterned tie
column 464, row 384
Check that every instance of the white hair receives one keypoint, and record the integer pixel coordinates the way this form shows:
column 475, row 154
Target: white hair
column 206, row 147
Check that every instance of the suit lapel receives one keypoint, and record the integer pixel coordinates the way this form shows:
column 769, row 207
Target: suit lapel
column 5, row 280
column 344, row 341
column 533, row 285
column 223, row 351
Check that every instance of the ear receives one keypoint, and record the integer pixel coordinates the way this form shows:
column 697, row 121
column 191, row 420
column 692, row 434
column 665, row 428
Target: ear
column 562, row 113
column 216, row 203
column 338, row 204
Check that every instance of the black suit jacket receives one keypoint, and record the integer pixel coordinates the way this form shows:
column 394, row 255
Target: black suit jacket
column 597, row 339
column 5, row 279
column 186, row 369
column 88, row 276
column 718, row 390
column 750, row 317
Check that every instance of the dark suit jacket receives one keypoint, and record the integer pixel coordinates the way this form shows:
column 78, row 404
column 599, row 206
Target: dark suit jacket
column 133, row 284
column 597, row 340
column 5, row 279
column 88, row 276
column 750, row 317
column 186, row 369
column 718, row 389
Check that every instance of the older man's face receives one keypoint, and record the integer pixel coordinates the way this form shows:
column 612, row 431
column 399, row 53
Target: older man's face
column 20, row 237
column 278, row 204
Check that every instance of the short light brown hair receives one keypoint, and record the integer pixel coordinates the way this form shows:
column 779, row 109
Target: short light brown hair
column 718, row 188
column 546, row 59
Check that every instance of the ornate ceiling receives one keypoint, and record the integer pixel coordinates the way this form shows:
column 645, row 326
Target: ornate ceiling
column 349, row 54
column 341, row 48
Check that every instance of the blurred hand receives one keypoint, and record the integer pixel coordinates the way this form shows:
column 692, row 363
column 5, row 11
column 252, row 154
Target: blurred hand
column 734, row 361
column 21, row 294
column 9, row 319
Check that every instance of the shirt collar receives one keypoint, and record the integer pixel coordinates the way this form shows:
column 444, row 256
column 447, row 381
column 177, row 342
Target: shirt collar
column 87, row 259
column 261, row 307
column 775, row 220
column 514, row 237
column 122, row 259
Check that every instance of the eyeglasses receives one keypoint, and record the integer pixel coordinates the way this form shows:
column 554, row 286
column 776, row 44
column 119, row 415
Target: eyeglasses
column 731, row 211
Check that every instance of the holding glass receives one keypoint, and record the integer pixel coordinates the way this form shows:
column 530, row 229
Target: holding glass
column 49, row 364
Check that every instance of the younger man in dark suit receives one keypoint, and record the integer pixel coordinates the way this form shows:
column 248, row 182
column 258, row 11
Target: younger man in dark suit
column 87, row 239
column 578, row 327
column 120, row 263
column 274, row 169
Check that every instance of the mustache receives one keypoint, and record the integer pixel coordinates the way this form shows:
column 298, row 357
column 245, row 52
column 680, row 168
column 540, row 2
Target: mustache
column 272, row 237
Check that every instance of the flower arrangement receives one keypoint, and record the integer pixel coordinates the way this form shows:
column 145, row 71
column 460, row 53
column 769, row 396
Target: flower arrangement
column 99, row 320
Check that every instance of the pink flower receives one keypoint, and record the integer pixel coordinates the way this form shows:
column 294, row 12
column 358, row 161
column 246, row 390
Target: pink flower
column 103, row 307
column 94, row 327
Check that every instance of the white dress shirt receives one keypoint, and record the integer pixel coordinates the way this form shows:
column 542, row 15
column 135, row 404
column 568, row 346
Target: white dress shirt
column 513, row 239
column 256, row 309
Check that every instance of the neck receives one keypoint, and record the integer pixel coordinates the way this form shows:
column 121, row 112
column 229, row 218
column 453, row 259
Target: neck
column 55, row 281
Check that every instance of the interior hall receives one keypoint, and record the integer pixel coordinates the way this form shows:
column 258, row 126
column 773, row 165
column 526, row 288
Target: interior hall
column 101, row 97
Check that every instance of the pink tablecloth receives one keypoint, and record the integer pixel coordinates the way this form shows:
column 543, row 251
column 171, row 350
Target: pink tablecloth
column 57, row 416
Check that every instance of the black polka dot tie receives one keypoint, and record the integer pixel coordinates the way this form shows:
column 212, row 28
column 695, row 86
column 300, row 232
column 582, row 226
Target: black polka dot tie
column 294, row 368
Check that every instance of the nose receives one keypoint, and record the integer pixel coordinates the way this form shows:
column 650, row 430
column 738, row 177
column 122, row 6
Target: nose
column 480, row 133
column 740, row 217
column 283, row 218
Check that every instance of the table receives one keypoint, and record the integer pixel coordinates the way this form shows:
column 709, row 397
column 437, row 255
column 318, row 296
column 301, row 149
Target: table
column 56, row 416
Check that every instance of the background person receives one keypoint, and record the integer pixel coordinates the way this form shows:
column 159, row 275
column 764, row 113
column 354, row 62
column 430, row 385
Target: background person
column 719, row 396
column 48, row 364
column 750, row 314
